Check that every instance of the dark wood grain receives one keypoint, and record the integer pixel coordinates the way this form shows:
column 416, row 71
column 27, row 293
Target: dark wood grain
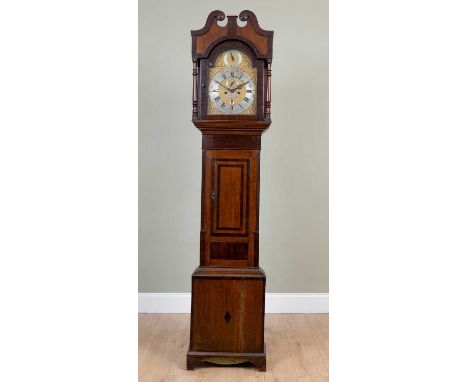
column 227, row 250
column 260, row 40
column 229, row 273
column 232, row 127
column 238, row 204
column 231, row 142
column 243, row 301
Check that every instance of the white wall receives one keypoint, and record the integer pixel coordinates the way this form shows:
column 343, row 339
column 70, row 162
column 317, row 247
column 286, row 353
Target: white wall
column 294, row 159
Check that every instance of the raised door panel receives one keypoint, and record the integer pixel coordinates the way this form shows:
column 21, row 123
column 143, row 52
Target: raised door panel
column 230, row 195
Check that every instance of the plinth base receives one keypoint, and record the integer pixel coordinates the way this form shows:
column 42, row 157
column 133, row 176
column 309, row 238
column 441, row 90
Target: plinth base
column 222, row 358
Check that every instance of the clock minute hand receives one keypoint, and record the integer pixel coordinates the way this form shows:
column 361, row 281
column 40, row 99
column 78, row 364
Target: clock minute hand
column 221, row 85
column 241, row 85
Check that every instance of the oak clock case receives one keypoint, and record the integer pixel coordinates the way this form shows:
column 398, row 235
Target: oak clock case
column 231, row 107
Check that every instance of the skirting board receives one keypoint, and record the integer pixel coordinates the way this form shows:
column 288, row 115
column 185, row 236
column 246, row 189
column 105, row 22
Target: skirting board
column 274, row 303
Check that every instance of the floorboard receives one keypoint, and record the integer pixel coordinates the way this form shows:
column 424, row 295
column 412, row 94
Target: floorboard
column 297, row 350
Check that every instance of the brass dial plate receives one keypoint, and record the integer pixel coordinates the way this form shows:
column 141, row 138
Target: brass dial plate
column 232, row 82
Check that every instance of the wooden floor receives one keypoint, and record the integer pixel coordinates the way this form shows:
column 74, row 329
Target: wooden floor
column 296, row 344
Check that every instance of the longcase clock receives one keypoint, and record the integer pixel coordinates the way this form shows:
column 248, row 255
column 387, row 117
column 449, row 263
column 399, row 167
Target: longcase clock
column 231, row 107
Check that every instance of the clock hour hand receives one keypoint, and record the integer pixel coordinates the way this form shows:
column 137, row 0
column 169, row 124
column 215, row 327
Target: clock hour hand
column 241, row 85
column 228, row 89
column 222, row 85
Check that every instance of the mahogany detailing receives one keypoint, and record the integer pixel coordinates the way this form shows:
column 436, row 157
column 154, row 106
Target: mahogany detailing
column 268, row 92
column 195, row 91
column 230, row 196
column 256, row 248
column 228, row 288
column 234, row 251
column 202, row 247
column 232, row 127
column 243, row 299
column 234, row 142
column 229, row 273
column 260, row 40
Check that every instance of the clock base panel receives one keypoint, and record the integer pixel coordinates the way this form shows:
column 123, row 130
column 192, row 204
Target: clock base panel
column 228, row 312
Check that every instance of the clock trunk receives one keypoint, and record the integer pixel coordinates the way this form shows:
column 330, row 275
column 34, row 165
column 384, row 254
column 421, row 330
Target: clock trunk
column 230, row 201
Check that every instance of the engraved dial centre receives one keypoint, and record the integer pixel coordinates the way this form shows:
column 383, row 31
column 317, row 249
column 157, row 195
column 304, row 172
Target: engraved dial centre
column 232, row 91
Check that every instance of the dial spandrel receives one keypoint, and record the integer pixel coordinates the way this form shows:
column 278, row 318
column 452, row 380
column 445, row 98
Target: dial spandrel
column 232, row 82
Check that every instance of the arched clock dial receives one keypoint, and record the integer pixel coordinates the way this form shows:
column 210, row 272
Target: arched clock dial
column 232, row 91
column 232, row 83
